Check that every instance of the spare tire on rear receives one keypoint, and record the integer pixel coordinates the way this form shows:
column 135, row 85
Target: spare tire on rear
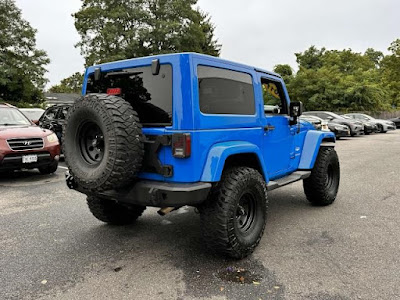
column 102, row 142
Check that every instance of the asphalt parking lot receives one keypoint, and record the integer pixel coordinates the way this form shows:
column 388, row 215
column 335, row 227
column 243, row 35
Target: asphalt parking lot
column 52, row 248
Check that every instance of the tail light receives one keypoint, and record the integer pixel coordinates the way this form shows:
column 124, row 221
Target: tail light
column 114, row 91
column 181, row 145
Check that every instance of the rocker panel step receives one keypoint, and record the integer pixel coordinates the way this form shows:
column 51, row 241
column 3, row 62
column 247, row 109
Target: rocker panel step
column 295, row 176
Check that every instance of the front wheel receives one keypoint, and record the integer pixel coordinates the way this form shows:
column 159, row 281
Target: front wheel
column 323, row 184
column 234, row 215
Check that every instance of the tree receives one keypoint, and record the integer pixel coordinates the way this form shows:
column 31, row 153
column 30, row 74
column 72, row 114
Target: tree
column 390, row 68
column 112, row 30
column 285, row 71
column 339, row 80
column 71, row 84
column 374, row 56
column 22, row 65
column 311, row 58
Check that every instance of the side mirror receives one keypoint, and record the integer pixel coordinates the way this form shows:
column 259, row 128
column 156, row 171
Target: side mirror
column 329, row 118
column 295, row 111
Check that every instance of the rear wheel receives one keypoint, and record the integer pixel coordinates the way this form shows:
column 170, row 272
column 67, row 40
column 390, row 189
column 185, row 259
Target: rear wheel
column 112, row 212
column 233, row 217
column 323, row 184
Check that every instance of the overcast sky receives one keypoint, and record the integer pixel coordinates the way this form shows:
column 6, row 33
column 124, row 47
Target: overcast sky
column 262, row 33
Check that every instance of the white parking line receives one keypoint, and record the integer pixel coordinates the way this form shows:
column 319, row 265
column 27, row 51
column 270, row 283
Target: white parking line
column 63, row 167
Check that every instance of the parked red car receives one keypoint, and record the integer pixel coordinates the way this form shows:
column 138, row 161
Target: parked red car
column 23, row 145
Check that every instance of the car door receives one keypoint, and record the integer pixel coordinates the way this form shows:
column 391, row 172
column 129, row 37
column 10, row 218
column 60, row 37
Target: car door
column 47, row 118
column 59, row 121
column 278, row 138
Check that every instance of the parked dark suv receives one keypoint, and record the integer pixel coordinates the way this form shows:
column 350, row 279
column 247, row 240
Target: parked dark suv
column 54, row 118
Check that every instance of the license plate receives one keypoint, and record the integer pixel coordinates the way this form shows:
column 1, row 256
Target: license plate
column 26, row 159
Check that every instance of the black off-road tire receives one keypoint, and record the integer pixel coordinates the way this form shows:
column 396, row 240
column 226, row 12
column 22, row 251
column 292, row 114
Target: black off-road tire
column 113, row 213
column 226, row 227
column 51, row 168
column 115, row 127
column 322, row 186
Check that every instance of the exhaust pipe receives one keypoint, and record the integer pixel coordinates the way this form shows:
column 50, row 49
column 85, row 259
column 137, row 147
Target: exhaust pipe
column 165, row 210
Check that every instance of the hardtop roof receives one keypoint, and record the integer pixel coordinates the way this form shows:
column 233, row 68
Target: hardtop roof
column 176, row 55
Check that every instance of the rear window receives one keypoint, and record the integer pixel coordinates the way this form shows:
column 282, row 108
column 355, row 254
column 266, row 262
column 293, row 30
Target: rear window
column 224, row 91
column 150, row 95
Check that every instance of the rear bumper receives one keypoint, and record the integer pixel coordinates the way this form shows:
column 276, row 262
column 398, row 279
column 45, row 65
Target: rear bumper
column 154, row 193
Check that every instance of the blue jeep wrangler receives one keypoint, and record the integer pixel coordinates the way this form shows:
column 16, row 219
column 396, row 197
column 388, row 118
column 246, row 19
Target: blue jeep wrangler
column 190, row 129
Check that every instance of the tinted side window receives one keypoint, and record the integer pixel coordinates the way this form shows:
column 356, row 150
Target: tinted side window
column 225, row 92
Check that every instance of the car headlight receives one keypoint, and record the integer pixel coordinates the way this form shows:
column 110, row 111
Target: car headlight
column 52, row 138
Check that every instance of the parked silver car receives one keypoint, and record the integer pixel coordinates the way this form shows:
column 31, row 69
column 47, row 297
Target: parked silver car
column 369, row 127
column 383, row 125
column 356, row 127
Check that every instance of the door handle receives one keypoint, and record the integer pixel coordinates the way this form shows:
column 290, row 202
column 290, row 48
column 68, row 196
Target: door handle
column 269, row 128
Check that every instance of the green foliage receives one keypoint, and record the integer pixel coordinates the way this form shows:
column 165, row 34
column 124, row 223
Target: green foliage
column 285, row 71
column 311, row 58
column 22, row 66
column 390, row 68
column 374, row 56
column 345, row 80
column 112, row 30
column 72, row 84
